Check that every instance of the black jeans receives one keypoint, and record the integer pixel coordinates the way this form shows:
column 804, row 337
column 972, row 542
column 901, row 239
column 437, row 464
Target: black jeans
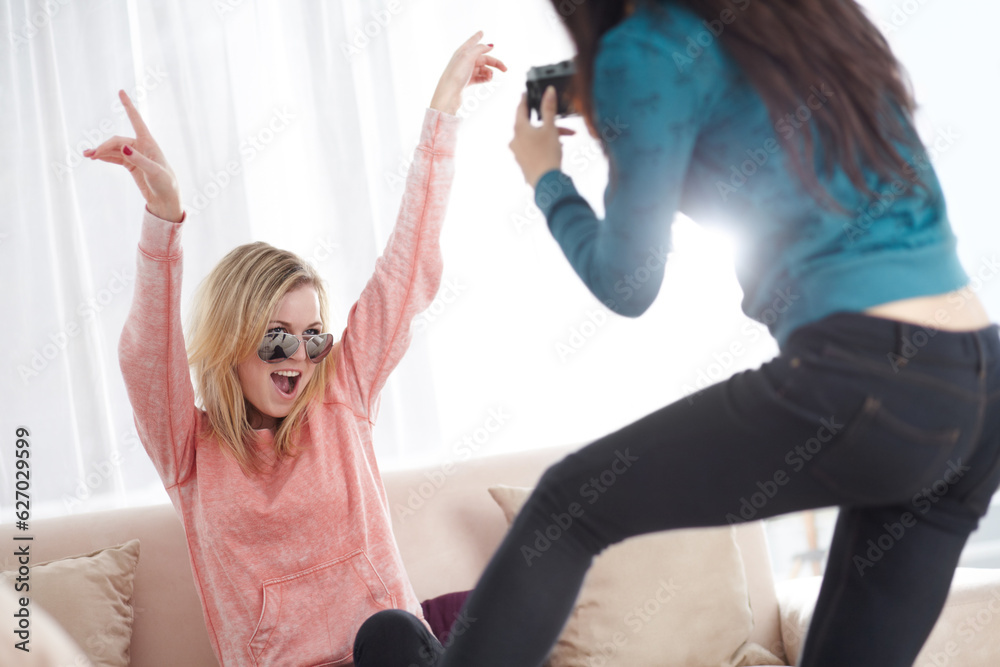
column 395, row 637
column 897, row 424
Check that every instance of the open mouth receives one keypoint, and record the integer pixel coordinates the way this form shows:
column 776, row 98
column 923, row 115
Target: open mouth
column 285, row 382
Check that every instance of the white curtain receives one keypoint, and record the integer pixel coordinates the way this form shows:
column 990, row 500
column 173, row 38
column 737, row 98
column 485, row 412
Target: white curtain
column 317, row 105
column 276, row 131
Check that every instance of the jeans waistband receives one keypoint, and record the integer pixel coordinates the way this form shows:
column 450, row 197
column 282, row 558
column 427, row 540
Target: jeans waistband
column 979, row 349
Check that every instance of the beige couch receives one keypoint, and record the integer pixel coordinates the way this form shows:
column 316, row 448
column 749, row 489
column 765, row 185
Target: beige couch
column 447, row 533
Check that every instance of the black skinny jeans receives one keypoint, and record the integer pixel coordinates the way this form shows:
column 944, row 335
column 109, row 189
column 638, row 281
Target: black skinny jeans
column 395, row 637
column 897, row 424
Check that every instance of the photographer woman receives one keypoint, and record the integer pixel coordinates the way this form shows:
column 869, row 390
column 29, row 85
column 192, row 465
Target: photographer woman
column 789, row 124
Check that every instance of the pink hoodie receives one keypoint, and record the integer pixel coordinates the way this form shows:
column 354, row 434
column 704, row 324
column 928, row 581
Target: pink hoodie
column 289, row 565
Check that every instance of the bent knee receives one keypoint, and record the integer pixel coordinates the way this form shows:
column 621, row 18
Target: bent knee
column 384, row 631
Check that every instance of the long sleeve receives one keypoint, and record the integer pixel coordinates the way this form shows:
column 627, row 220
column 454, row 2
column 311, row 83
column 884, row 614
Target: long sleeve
column 407, row 274
column 153, row 357
column 647, row 105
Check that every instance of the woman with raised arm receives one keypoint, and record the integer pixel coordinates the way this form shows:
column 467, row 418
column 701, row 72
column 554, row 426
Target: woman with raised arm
column 789, row 124
column 274, row 475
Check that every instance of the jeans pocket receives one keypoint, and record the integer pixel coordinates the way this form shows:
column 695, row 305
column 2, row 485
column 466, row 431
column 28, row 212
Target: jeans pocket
column 310, row 617
column 880, row 458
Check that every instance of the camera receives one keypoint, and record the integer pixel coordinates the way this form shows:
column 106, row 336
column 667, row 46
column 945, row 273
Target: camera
column 559, row 75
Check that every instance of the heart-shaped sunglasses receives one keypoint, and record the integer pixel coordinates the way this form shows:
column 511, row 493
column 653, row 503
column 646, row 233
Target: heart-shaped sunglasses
column 278, row 346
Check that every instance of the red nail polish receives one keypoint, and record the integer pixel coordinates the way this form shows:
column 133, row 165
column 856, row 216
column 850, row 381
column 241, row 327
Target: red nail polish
column 489, row 45
column 127, row 150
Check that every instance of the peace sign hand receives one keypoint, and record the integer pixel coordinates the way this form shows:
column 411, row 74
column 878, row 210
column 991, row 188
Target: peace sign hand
column 144, row 160
column 469, row 65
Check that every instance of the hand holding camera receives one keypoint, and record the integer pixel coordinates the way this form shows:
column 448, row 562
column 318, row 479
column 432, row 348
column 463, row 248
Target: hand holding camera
column 537, row 149
column 560, row 77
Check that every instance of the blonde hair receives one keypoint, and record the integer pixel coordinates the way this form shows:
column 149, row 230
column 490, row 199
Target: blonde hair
column 232, row 308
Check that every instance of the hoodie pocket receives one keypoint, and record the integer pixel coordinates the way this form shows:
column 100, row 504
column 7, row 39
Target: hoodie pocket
column 311, row 617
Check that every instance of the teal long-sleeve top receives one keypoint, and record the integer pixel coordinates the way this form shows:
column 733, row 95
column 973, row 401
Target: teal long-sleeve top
column 686, row 131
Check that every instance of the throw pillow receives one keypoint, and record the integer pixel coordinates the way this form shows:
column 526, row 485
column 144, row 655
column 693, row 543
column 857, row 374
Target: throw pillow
column 45, row 643
column 90, row 596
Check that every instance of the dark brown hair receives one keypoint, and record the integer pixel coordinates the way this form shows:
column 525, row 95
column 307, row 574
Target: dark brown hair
column 785, row 47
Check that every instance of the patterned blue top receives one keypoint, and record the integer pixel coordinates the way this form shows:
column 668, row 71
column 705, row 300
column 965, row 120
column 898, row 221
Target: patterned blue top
column 687, row 131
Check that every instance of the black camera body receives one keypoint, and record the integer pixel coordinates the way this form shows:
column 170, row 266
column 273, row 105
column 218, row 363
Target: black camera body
column 559, row 75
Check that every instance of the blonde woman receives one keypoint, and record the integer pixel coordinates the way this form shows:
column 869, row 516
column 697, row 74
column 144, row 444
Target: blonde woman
column 274, row 475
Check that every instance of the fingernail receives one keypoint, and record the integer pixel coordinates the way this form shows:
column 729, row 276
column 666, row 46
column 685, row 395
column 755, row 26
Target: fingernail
column 126, row 150
column 489, row 45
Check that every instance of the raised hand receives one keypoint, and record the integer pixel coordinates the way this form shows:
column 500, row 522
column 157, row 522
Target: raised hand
column 468, row 66
column 537, row 148
column 144, row 160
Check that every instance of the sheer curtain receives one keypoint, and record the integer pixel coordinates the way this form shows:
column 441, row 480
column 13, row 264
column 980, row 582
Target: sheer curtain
column 293, row 122
column 275, row 132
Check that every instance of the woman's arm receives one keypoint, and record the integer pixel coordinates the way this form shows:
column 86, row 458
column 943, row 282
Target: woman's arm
column 408, row 273
column 151, row 349
column 152, row 354
column 648, row 116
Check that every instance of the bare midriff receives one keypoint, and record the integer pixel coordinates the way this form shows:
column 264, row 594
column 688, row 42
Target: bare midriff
column 960, row 310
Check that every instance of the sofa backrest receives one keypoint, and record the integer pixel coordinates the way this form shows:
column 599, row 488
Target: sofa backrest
column 448, row 526
column 168, row 626
column 445, row 522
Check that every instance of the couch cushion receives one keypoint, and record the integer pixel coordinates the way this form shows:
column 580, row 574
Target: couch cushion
column 169, row 627
column 670, row 599
column 48, row 643
column 967, row 633
column 447, row 528
column 90, row 596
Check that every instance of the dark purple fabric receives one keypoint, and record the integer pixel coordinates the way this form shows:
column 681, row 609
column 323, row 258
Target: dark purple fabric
column 441, row 612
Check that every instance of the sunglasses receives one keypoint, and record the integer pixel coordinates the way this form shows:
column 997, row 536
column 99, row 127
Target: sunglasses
column 279, row 346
